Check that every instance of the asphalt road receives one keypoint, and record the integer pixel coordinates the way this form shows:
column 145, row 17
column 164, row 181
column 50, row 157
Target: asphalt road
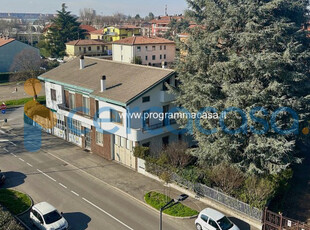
column 86, row 202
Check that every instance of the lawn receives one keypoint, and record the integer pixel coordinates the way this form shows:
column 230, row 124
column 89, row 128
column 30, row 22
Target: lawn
column 23, row 101
column 158, row 200
column 16, row 202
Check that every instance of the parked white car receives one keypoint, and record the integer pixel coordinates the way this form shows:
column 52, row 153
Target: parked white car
column 44, row 216
column 210, row 219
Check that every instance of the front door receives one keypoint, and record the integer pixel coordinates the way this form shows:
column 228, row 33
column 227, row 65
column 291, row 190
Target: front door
column 87, row 138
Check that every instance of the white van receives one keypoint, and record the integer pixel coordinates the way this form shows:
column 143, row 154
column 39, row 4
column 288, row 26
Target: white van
column 44, row 216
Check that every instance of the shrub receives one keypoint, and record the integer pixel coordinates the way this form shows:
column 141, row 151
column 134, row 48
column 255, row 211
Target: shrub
column 177, row 156
column 227, row 177
column 141, row 152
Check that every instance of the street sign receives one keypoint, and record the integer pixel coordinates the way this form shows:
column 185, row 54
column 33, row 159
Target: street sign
column 3, row 111
column 3, row 108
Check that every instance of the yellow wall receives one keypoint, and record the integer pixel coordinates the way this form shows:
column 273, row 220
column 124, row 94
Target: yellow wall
column 72, row 50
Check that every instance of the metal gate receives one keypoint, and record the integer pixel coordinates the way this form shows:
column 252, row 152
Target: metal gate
column 274, row 221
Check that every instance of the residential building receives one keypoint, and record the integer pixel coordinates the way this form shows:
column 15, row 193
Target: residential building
column 9, row 49
column 88, row 30
column 160, row 25
column 86, row 47
column 153, row 51
column 105, row 94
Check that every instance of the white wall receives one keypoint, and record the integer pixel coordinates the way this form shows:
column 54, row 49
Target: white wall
column 59, row 95
column 125, row 50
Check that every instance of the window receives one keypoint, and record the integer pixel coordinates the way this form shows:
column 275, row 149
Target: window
column 98, row 48
column 146, row 58
column 146, row 118
column 154, row 57
column 129, row 145
column 204, row 218
column 117, row 140
column 146, row 48
column 213, row 224
column 86, row 107
column 147, row 144
column 164, row 84
column 160, row 57
column 121, row 47
column 123, row 142
column 74, row 127
column 53, row 95
column 98, row 37
column 89, row 48
column 145, row 99
column 139, row 48
column 71, row 100
column 97, row 109
column 116, row 116
column 165, row 47
column 153, row 48
column 161, row 47
column 165, row 141
column 165, row 56
column 99, row 138
column 60, row 124
column 80, row 48
column 122, row 57
column 180, row 136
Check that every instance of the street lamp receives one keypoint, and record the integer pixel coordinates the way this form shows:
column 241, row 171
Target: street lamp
column 171, row 203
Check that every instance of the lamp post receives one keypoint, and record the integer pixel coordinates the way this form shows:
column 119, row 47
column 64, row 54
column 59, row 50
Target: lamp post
column 171, row 203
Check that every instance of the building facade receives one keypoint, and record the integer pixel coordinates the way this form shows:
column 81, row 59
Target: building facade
column 153, row 51
column 160, row 25
column 94, row 101
column 86, row 47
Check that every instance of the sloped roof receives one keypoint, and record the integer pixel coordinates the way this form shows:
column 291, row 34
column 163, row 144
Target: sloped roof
column 100, row 31
column 124, row 82
column 4, row 41
column 87, row 28
column 82, row 42
column 143, row 40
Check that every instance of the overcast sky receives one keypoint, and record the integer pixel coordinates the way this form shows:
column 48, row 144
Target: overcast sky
column 106, row 7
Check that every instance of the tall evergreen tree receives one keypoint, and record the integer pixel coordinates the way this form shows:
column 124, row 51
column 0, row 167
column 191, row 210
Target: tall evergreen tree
column 246, row 54
column 64, row 28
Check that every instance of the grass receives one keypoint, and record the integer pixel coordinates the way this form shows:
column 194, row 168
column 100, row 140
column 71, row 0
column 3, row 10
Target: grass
column 16, row 202
column 158, row 200
column 22, row 101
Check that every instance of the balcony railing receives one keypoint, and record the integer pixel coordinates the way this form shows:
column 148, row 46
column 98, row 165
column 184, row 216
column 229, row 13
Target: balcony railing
column 80, row 113
column 159, row 125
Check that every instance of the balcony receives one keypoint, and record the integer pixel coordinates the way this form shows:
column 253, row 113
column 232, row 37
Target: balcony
column 165, row 96
column 80, row 113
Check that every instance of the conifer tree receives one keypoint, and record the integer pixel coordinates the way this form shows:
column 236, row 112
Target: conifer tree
column 64, row 28
column 247, row 54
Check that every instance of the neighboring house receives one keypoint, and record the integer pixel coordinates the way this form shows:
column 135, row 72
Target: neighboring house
column 153, row 51
column 86, row 47
column 9, row 48
column 109, row 92
column 160, row 24
column 88, row 30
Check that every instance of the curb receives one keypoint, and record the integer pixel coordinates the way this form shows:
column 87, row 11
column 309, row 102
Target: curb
column 22, row 223
column 27, row 208
column 176, row 217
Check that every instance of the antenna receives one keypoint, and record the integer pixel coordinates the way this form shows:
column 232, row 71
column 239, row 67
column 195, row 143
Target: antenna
column 166, row 10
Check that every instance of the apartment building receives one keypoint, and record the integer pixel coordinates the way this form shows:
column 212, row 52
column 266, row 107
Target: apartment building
column 93, row 100
column 160, row 25
column 86, row 47
column 152, row 51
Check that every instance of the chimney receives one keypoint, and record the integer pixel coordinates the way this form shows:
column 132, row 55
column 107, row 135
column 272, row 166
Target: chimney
column 82, row 64
column 163, row 65
column 103, row 81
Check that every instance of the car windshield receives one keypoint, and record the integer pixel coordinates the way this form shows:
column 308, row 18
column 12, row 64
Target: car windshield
column 52, row 217
column 225, row 223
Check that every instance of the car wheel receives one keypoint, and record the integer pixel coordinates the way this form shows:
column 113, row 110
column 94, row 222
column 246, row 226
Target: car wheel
column 198, row 227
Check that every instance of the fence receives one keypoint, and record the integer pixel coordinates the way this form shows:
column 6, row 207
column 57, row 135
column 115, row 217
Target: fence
column 220, row 197
column 274, row 221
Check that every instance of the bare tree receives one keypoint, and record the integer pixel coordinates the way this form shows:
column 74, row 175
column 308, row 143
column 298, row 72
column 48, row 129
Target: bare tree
column 87, row 16
column 176, row 153
column 27, row 65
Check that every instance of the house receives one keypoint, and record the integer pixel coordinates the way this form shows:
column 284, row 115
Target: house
column 88, row 30
column 9, row 49
column 86, row 47
column 160, row 25
column 94, row 101
column 153, row 51
column 115, row 33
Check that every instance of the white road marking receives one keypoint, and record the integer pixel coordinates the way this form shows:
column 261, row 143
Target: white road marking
column 6, row 150
column 13, row 143
column 46, row 175
column 13, row 154
column 75, row 193
column 62, row 185
column 21, row 159
column 108, row 214
column 29, row 165
column 4, row 140
column 1, row 131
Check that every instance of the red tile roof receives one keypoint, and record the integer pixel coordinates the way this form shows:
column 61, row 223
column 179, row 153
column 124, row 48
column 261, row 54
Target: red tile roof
column 84, row 42
column 139, row 40
column 87, row 28
column 100, row 31
column 166, row 19
column 4, row 41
